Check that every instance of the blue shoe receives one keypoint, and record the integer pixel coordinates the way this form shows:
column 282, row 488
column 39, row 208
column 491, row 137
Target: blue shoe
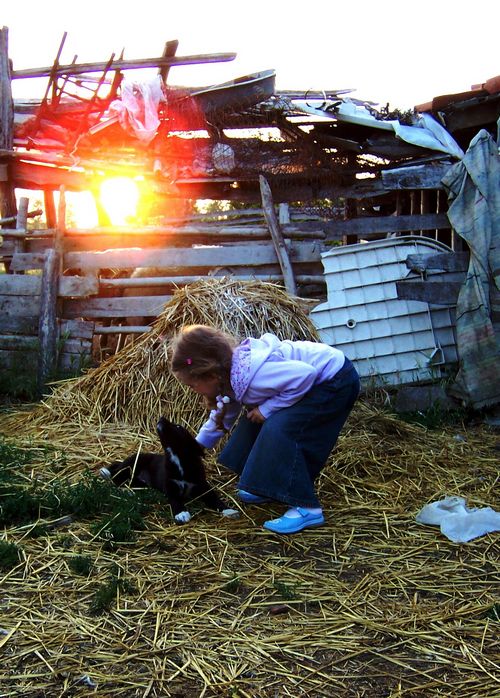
column 287, row 524
column 249, row 498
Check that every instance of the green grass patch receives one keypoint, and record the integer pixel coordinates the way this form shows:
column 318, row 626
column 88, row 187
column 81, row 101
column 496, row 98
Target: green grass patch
column 81, row 565
column 105, row 594
column 10, row 555
column 120, row 512
column 286, row 591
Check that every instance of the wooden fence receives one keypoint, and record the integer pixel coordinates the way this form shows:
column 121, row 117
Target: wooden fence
column 65, row 287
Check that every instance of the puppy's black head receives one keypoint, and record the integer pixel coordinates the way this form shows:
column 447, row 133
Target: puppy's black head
column 178, row 439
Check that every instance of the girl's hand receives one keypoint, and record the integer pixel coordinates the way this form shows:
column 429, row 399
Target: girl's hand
column 256, row 416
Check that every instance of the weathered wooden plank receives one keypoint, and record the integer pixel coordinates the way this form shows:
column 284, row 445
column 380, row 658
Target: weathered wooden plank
column 30, row 285
column 82, row 329
column 445, row 261
column 473, row 113
column 385, row 224
column 12, row 219
column 435, row 292
column 18, row 324
column 277, row 236
column 92, row 242
column 18, row 343
column 76, row 346
column 78, row 286
column 24, row 261
column 20, row 284
column 132, row 306
column 122, row 64
column 22, row 306
column 18, row 360
column 229, row 255
column 27, row 175
column 47, row 322
column 122, row 329
column 7, row 248
column 426, row 176
column 148, row 281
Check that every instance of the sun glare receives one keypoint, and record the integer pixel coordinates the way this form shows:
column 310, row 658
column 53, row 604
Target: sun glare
column 81, row 209
column 119, row 197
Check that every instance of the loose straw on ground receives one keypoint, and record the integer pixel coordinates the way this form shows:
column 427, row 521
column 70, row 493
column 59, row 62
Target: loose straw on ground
column 371, row 604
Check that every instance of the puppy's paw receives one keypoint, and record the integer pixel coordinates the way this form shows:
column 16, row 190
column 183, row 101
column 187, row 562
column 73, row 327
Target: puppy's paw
column 231, row 513
column 104, row 472
column 183, row 517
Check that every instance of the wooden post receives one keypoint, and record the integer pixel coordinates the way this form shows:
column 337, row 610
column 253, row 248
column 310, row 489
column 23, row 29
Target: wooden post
column 169, row 51
column 21, row 224
column 277, row 236
column 48, row 321
column 50, row 208
column 7, row 193
column 350, row 211
column 284, row 214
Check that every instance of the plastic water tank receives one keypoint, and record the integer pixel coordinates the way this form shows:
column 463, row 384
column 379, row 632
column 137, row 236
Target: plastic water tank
column 390, row 340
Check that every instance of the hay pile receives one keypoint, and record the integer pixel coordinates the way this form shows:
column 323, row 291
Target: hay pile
column 117, row 404
column 371, row 604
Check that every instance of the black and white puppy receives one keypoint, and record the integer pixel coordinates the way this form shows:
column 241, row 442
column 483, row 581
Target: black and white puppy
column 178, row 472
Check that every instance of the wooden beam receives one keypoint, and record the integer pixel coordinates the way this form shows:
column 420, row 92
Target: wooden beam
column 12, row 219
column 7, row 193
column 375, row 225
column 138, row 63
column 473, row 113
column 132, row 306
column 444, row 261
column 163, row 281
column 181, row 258
column 47, row 324
column 427, row 176
column 168, row 52
column 434, row 292
column 277, row 236
column 49, row 306
column 27, row 175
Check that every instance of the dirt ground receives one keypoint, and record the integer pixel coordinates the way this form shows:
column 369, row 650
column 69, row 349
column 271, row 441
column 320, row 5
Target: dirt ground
column 369, row 605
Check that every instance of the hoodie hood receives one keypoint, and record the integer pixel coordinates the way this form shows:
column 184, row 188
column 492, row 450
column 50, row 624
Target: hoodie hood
column 248, row 357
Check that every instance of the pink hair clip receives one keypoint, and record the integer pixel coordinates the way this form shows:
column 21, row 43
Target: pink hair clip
column 189, row 361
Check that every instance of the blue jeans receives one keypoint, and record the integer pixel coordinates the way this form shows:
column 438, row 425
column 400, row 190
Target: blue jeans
column 282, row 457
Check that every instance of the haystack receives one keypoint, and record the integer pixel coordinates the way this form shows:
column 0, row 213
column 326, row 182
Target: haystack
column 119, row 402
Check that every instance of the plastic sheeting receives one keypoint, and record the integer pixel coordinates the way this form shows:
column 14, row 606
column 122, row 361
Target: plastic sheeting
column 473, row 187
column 425, row 133
column 138, row 108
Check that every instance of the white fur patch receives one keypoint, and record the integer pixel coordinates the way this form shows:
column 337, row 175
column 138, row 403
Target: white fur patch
column 175, row 459
column 104, row 472
column 231, row 513
column 183, row 517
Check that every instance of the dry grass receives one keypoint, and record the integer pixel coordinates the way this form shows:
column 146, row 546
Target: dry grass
column 371, row 604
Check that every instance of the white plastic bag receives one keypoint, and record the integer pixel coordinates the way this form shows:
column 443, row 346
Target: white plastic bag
column 457, row 522
column 138, row 108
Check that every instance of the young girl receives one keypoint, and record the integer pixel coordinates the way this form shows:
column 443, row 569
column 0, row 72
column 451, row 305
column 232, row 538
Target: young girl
column 296, row 397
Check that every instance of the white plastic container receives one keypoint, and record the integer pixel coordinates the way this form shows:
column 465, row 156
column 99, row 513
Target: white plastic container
column 391, row 341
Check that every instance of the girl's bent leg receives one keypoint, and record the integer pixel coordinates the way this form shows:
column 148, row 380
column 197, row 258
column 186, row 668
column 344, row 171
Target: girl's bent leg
column 235, row 453
column 294, row 443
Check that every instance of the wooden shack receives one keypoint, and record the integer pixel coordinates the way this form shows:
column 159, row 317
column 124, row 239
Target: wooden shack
column 296, row 179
